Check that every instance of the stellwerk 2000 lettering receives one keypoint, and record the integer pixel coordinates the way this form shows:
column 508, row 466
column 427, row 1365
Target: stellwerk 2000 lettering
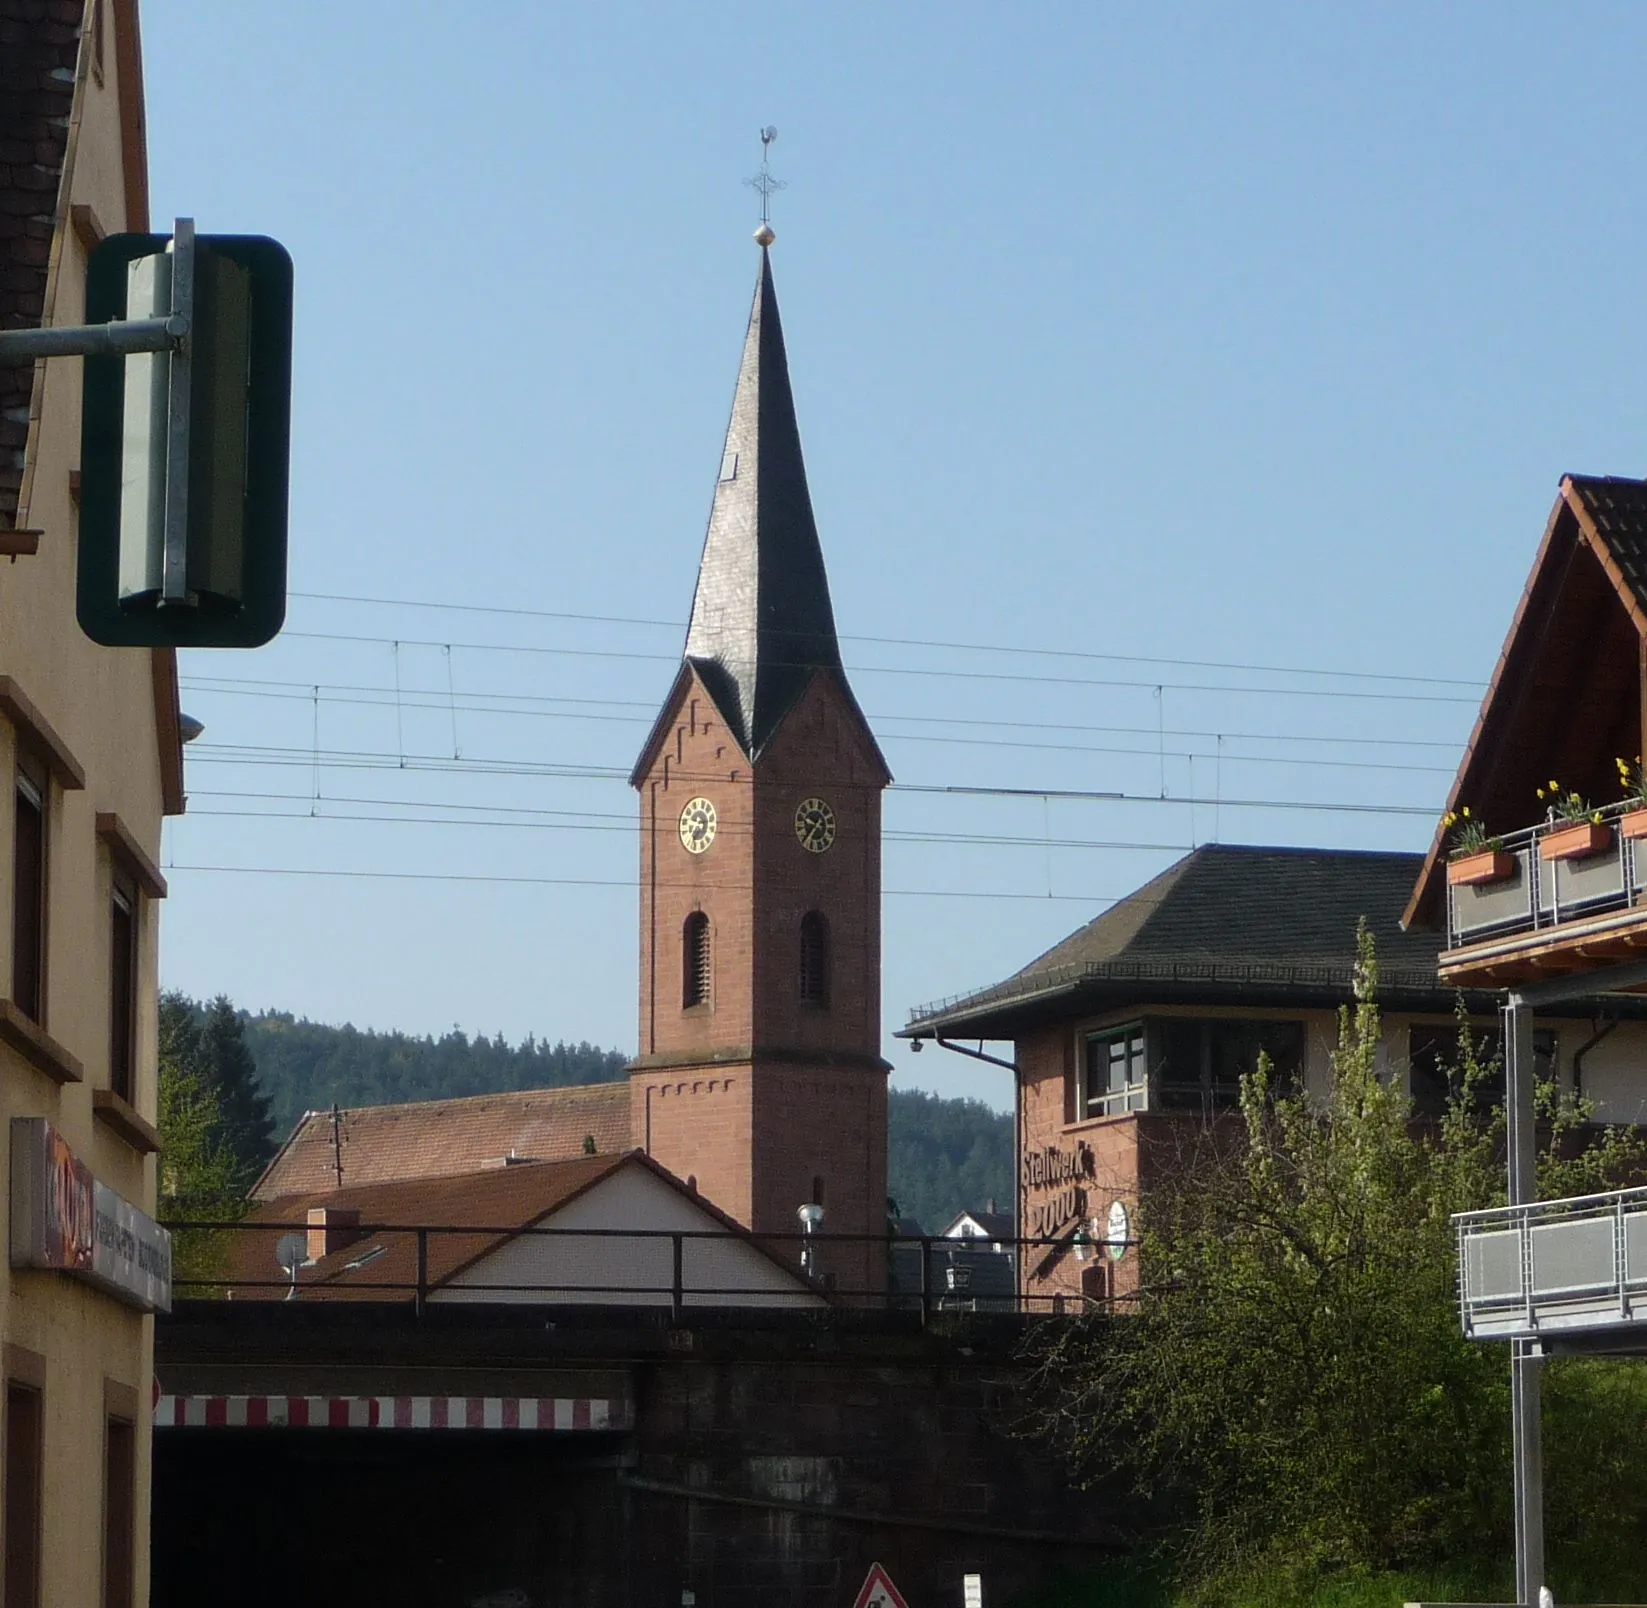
column 1063, row 1172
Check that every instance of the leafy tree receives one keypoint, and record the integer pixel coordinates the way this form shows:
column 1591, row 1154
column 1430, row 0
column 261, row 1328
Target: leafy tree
column 1293, row 1382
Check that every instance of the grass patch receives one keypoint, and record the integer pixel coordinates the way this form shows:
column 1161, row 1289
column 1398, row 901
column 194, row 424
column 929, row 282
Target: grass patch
column 1127, row 1586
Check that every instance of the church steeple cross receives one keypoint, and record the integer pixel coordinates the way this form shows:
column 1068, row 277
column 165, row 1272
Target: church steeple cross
column 764, row 185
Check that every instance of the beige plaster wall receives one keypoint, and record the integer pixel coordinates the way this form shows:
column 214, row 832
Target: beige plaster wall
column 101, row 703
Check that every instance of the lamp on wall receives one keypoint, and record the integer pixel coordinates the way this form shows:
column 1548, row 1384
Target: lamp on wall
column 811, row 1216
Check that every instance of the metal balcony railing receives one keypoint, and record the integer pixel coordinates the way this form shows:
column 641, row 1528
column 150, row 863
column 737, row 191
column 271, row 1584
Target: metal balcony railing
column 1543, row 894
column 676, row 1270
column 1554, row 1266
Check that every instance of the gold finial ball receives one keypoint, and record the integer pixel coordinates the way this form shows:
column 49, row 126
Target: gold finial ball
column 765, row 235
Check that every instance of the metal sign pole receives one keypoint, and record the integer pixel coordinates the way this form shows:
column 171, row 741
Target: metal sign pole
column 1526, row 1357
column 120, row 338
column 174, row 583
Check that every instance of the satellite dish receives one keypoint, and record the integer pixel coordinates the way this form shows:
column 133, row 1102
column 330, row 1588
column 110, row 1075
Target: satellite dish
column 292, row 1251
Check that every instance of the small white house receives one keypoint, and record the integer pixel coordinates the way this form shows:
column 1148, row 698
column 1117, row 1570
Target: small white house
column 600, row 1230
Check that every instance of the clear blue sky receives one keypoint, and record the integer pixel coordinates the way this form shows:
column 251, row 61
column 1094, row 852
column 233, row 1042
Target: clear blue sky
column 1250, row 335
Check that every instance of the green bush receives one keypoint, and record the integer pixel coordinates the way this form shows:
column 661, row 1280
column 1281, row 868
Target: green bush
column 1293, row 1385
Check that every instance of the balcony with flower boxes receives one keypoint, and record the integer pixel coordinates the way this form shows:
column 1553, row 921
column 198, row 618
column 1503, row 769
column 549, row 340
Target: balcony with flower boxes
column 1562, row 896
column 1567, row 699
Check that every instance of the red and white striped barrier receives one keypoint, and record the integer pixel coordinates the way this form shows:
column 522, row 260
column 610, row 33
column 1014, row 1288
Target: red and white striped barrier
column 391, row 1412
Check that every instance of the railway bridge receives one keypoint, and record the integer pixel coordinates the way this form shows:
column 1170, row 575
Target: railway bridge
column 518, row 1455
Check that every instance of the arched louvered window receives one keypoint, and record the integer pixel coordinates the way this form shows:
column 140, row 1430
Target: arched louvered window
column 814, row 978
column 697, row 967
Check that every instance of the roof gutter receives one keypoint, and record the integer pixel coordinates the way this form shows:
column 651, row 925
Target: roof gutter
column 981, row 1054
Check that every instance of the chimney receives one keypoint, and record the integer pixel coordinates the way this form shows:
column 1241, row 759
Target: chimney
column 331, row 1228
column 990, row 1205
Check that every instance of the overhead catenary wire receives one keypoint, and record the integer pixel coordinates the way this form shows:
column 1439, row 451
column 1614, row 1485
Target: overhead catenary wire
column 630, row 827
column 366, row 759
column 235, row 684
column 627, row 883
column 939, row 673
column 444, row 704
column 1325, row 750
column 575, row 616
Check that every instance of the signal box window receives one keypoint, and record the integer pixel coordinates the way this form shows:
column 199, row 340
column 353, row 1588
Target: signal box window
column 1199, row 1064
column 1433, row 1057
column 1117, row 1073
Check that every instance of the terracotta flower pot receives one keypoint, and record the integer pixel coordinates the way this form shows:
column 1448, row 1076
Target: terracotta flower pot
column 1484, row 866
column 1575, row 842
column 1634, row 825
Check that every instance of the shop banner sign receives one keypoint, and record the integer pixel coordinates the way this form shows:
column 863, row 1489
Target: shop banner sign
column 64, row 1218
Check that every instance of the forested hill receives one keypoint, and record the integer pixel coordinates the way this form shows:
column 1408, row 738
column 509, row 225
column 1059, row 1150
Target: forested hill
column 943, row 1155
column 308, row 1066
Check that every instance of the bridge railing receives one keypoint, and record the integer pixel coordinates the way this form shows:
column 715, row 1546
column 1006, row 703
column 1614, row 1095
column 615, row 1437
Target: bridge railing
column 677, row 1270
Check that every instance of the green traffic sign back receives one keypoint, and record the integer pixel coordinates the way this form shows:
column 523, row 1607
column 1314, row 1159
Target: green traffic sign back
column 241, row 359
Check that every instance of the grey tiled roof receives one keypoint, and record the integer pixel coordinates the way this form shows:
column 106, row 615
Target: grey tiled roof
column 761, row 617
column 1278, row 921
column 1618, row 509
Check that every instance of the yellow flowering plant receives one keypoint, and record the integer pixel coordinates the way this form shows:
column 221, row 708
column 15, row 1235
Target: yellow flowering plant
column 1467, row 833
column 1632, row 778
column 1563, row 804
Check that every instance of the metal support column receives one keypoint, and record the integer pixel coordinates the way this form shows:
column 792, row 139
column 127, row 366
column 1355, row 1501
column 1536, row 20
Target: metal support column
column 1526, row 1356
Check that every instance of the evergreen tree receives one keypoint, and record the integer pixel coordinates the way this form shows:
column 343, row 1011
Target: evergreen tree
column 943, row 1155
column 224, row 1062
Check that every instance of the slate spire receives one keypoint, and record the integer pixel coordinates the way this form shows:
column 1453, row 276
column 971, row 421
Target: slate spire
column 761, row 617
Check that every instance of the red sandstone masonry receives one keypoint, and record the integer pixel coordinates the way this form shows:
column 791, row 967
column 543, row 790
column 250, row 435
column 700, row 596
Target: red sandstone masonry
column 1047, row 1078
column 757, row 1095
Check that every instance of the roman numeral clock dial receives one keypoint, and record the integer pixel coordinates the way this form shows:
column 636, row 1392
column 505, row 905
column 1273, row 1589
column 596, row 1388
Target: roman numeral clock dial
column 814, row 825
column 697, row 825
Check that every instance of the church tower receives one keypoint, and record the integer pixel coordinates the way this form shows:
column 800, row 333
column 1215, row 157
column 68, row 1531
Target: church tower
column 760, row 1074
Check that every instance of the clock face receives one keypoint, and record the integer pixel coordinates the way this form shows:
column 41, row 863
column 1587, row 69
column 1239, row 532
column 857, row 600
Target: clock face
column 814, row 825
column 697, row 825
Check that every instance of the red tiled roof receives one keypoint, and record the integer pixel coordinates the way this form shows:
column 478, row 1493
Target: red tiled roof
column 39, row 47
column 440, row 1138
column 488, row 1208
column 503, row 1199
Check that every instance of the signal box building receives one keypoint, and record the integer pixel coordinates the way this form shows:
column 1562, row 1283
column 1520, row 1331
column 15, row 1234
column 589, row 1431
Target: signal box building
column 1132, row 1034
column 90, row 762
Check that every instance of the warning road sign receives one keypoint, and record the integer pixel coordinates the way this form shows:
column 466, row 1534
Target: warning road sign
column 878, row 1591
